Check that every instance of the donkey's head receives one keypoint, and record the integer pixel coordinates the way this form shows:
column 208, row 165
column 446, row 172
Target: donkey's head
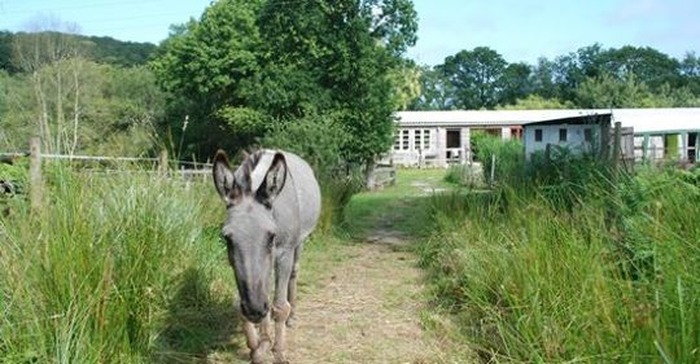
column 250, row 229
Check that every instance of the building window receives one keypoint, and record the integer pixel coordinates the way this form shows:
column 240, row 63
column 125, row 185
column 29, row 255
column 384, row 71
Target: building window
column 562, row 135
column 404, row 139
column 538, row 135
column 401, row 141
column 421, row 139
column 588, row 135
column 426, row 139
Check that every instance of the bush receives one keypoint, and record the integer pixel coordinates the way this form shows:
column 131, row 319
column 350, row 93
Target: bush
column 508, row 156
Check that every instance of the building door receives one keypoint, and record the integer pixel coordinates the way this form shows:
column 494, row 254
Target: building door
column 454, row 144
column 692, row 147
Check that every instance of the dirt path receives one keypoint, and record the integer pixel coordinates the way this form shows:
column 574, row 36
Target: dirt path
column 364, row 309
column 364, row 301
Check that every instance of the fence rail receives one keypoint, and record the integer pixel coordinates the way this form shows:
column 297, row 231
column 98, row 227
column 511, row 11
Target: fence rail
column 164, row 167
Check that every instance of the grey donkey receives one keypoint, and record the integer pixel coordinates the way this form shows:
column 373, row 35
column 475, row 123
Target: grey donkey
column 273, row 202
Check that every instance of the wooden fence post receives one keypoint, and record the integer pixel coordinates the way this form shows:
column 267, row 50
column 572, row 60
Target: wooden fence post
column 36, row 185
column 617, row 145
column 163, row 162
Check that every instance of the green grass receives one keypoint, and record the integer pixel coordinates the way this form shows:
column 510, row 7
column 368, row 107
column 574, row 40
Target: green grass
column 613, row 279
column 116, row 268
column 125, row 268
column 402, row 208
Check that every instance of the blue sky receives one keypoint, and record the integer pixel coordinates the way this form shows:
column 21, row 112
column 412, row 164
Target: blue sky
column 521, row 30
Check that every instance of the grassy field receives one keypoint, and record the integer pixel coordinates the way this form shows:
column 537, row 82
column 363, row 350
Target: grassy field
column 130, row 268
column 610, row 279
column 116, row 268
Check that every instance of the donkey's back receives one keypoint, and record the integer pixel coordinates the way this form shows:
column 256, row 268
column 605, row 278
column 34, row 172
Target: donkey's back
column 307, row 193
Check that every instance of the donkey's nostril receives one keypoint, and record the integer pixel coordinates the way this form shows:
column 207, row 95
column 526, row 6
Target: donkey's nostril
column 266, row 307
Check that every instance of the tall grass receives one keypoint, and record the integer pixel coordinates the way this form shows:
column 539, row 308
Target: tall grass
column 99, row 274
column 612, row 277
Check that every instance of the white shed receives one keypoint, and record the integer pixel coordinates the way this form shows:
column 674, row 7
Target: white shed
column 579, row 134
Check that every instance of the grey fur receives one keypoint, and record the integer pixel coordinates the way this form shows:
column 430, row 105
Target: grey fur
column 273, row 203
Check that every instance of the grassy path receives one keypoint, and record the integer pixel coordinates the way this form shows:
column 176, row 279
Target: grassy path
column 362, row 297
column 362, row 300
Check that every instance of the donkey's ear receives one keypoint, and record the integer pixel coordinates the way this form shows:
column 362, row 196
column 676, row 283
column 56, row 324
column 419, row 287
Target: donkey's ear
column 223, row 177
column 275, row 179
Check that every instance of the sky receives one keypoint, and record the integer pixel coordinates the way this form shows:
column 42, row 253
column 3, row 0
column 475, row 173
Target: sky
column 520, row 30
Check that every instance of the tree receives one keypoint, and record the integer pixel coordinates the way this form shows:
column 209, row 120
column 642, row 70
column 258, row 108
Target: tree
column 475, row 77
column 252, row 65
column 436, row 91
column 690, row 72
column 536, row 102
column 405, row 82
column 515, row 83
column 204, row 66
column 649, row 65
column 607, row 91
column 49, row 56
column 542, row 78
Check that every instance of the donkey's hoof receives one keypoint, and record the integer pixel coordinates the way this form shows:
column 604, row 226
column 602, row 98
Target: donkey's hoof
column 291, row 322
column 257, row 357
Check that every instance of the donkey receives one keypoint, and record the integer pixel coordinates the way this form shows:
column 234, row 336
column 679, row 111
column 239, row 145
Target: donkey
column 273, row 202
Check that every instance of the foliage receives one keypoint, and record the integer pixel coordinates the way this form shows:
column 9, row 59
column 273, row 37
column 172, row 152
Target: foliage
column 78, row 106
column 612, row 280
column 590, row 77
column 104, row 50
column 318, row 140
column 536, row 102
column 475, row 76
column 246, row 66
column 507, row 154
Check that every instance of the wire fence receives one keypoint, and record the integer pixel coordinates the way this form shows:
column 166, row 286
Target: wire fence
column 188, row 171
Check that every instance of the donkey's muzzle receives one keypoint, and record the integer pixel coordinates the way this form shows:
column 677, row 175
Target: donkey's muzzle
column 254, row 313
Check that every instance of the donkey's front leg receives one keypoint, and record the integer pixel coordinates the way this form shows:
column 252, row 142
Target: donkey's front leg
column 257, row 355
column 257, row 344
column 281, row 307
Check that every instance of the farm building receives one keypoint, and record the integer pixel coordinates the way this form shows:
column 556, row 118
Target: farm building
column 439, row 138
column 579, row 134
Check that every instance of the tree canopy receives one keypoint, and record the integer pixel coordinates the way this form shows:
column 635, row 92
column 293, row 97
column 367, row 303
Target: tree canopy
column 245, row 66
column 592, row 76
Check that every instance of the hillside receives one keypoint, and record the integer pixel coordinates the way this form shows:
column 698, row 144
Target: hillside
column 101, row 49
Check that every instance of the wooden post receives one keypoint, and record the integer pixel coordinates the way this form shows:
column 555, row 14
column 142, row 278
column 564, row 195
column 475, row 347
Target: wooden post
column 163, row 162
column 617, row 145
column 493, row 170
column 36, row 187
column 645, row 148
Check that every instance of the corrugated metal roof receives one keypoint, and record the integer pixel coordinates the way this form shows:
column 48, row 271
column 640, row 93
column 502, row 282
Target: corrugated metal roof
column 642, row 120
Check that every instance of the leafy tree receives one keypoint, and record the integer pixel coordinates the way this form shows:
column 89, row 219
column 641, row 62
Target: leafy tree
column 205, row 66
column 536, row 102
column 405, row 82
column 250, row 66
column 607, row 91
column 436, row 91
column 690, row 72
column 6, row 64
column 649, row 65
column 542, row 78
column 515, row 83
column 475, row 76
